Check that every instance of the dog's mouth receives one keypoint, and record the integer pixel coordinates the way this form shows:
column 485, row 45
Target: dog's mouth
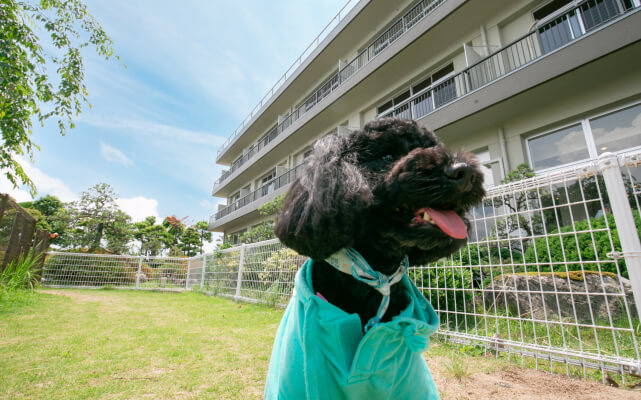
column 447, row 221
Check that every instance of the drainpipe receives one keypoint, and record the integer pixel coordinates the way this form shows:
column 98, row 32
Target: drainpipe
column 503, row 144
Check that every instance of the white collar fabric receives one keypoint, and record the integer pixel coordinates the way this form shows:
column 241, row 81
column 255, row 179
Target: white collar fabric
column 351, row 262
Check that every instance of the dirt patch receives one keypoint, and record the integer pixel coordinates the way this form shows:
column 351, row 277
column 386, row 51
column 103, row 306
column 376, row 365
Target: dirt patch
column 110, row 303
column 512, row 382
column 82, row 297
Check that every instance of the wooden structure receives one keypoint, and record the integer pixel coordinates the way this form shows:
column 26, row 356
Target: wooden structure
column 18, row 232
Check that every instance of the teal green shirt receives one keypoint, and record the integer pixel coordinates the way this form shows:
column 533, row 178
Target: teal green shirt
column 320, row 351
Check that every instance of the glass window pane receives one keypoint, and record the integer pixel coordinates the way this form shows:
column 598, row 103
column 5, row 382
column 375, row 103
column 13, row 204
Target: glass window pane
column 617, row 131
column 549, row 9
column 596, row 12
column 558, row 148
column 385, row 107
column 401, row 97
column 443, row 72
column 422, row 85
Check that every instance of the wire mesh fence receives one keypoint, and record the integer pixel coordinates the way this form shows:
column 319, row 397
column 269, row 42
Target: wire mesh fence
column 551, row 274
column 543, row 277
column 82, row 270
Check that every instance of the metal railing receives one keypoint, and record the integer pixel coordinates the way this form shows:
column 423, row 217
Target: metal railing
column 547, row 37
column 312, row 46
column 267, row 188
column 551, row 274
column 418, row 12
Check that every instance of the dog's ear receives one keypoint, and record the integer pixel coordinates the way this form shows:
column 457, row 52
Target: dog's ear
column 321, row 213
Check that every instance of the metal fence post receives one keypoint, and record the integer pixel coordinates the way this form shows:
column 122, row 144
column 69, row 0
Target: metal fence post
column 187, row 275
column 240, row 271
column 202, row 272
column 139, row 272
column 628, row 235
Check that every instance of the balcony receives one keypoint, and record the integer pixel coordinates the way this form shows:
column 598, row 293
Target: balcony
column 548, row 36
column 269, row 187
column 399, row 28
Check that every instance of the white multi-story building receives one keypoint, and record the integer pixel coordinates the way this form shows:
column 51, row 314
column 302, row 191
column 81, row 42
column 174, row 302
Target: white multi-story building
column 547, row 83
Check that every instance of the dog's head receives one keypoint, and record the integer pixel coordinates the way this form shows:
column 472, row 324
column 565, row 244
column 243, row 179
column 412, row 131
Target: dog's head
column 389, row 189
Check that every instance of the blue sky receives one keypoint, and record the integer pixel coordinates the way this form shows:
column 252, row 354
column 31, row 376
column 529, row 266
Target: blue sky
column 194, row 70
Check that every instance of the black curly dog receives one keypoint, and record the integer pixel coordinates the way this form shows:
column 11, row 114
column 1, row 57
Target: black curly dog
column 389, row 190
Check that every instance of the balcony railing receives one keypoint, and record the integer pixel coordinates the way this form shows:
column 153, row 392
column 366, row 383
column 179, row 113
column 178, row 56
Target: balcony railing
column 312, row 46
column 548, row 36
column 269, row 187
column 402, row 25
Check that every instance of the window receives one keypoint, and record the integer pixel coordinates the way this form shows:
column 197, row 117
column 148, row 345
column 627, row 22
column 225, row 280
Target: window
column 234, row 238
column 268, row 183
column 550, row 8
column 596, row 12
column 268, row 177
column 613, row 132
column 566, row 20
column 422, row 85
column 443, row 72
column 385, row 107
column 556, row 148
column 394, row 102
column 425, row 100
column 618, row 130
column 492, row 169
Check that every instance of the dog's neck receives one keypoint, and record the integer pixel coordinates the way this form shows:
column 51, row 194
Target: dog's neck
column 353, row 296
column 349, row 261
column 381, row 255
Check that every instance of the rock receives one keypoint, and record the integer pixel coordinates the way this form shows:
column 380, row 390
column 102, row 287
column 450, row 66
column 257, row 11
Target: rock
column 554, row 296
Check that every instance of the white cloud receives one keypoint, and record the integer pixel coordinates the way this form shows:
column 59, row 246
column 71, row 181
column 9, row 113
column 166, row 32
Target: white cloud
column 44, row 183
column 139, row 207
column 150, row 128
column 18, row 195
column 112, row 154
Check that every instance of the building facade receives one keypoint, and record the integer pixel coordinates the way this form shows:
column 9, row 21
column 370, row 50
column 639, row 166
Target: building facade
column 547, row 83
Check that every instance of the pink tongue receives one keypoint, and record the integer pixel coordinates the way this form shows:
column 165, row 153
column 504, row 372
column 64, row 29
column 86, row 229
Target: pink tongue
column 449, row 222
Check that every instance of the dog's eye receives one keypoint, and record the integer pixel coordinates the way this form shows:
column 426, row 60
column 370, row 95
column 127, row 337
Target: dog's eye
column 388, row 157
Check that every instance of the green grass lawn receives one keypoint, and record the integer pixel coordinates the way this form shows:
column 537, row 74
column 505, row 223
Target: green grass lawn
column 119, row 344
column 127, row 344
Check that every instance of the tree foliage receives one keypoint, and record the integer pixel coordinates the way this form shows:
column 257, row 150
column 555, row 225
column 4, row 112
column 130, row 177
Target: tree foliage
column 26, row 88
column 175, row 227
column 48, row 205
column 265, row 230
column 189, row 242
column 153, row 238
column 205, row 235
column 95, row 223
column 43, row 210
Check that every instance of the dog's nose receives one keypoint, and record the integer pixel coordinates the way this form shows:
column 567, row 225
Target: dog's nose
column 461, row 174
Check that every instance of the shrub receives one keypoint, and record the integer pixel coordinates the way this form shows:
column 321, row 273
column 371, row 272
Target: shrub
column 579, row 242
column 445, row 274
column 20, row 273
column 491, row 253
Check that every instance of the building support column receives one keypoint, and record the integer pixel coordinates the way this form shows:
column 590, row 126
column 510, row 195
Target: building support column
column 502, row 142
